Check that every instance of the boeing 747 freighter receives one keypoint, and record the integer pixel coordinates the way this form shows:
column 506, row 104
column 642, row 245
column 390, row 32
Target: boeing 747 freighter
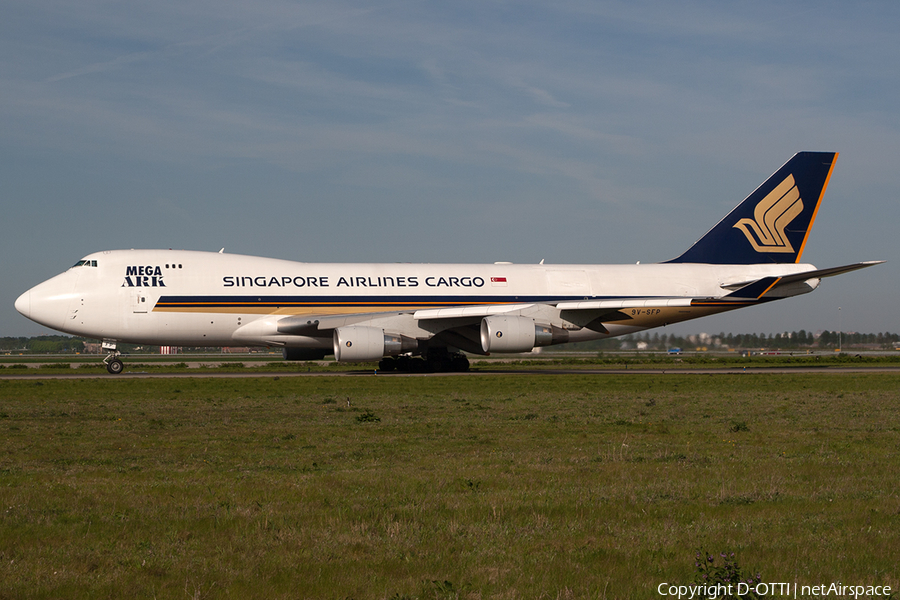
column 424, row 316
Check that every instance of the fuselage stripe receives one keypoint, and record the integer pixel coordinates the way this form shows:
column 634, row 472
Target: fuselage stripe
column 179, row 301
column 387, row 302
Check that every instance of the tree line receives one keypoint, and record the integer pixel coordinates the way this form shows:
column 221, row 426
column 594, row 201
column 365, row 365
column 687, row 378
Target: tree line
column 649, row 340
column 43, row 344
column 794, row 340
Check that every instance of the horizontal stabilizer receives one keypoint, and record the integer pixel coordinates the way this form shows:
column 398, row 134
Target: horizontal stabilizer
column 759, row 288
column 756, row 289
column 831, row 272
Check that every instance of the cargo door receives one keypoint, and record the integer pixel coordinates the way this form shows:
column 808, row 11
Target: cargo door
column 139, row 301
column 568, row 283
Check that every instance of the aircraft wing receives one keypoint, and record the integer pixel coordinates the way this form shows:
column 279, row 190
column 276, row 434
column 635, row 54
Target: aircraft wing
column 622, row 304
column 465, row 314
column 459, row 325
column 468, row 311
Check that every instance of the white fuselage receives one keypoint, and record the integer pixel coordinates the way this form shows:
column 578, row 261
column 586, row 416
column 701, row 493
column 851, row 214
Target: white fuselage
column 187, row 298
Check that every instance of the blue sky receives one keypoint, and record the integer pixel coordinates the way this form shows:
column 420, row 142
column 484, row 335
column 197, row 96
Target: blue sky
column 585, row 132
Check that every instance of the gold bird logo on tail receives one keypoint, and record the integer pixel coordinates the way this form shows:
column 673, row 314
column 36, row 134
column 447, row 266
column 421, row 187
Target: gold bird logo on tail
column 772, row 215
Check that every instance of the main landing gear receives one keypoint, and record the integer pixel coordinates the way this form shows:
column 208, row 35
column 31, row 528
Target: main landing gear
column 113, row 364
column 434, row 361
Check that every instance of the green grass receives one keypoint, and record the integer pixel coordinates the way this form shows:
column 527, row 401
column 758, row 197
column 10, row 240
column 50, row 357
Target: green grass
column 508, row 486
column 272, row 363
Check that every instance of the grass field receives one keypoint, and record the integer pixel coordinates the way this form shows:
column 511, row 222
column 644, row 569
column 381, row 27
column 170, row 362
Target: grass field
column 507, row 486
column 272, row 363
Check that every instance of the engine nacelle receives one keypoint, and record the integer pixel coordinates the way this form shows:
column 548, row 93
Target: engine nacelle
column 513, row 334
column 359, row 343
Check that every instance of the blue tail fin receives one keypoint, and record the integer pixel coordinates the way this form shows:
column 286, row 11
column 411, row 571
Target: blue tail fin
column 773, row 223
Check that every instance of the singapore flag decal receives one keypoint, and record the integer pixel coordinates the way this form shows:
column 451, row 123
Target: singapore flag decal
column 498, row 281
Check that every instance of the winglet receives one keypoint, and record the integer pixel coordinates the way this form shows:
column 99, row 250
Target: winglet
column 773, row 223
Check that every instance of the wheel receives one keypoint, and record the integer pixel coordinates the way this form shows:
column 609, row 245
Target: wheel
column 459, row 363
column 115, row 366
column 387, row 364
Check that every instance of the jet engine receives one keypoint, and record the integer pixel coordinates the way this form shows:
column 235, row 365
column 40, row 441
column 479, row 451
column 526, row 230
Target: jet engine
column 358, row 344
column 513, row 334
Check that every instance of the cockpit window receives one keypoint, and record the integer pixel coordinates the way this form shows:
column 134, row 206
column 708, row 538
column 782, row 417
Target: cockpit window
column 85, row 263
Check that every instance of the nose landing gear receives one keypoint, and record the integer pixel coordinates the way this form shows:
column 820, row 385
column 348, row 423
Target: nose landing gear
column 113, row 364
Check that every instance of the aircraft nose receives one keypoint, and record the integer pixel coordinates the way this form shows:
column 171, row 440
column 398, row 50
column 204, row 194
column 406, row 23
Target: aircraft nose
column 23, row 304
column 48, row 303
